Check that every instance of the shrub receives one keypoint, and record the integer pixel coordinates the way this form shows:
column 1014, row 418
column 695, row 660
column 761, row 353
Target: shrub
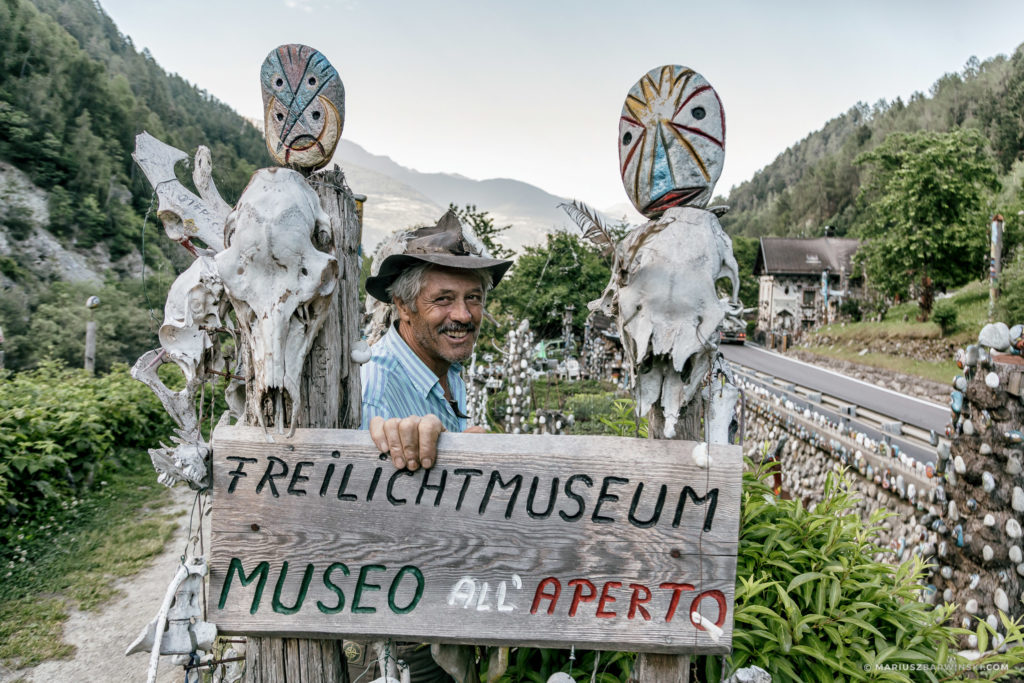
column 588, row 407
column 19, row 221
column 58, row 426
column 812, row 604
column 1011, row 300
column 850, row 308
column 944, row 314
column 622, row 420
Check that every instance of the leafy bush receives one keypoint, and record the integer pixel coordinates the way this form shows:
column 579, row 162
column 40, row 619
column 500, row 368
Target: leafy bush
column 58, row 426
column 587, row 407
column 537, row 665
column 18, row 221
column 623, row 421
column 812, row 604
column 1011, row 301
column 944, row 314
column 56, row 326
column 850, row 308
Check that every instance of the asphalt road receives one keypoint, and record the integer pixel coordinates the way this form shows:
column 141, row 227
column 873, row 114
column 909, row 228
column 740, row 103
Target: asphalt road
column 907, row 409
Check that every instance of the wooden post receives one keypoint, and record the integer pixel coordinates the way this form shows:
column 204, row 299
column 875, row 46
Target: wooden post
column 331, row 397
column 90, row 347
column 656, row 668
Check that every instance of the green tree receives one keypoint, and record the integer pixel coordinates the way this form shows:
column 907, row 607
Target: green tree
column 1011, row 299
column 925, row 210
column 546, row 279
column 125, row 330
column 484, row 227
column 745, row 249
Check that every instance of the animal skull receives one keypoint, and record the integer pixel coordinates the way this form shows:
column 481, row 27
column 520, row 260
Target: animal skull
column 663, row 294
column 279, row 283
column 195, row 304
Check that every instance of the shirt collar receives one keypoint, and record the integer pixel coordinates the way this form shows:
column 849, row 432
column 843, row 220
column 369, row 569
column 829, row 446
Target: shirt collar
column 422, row 377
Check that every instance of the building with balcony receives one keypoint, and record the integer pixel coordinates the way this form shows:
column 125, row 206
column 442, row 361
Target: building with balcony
column 803, row 282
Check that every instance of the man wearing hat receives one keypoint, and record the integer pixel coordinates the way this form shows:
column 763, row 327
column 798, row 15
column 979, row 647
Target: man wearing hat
column 412, row 387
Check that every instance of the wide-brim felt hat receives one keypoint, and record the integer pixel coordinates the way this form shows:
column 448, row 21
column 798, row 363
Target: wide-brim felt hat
column 442, row 245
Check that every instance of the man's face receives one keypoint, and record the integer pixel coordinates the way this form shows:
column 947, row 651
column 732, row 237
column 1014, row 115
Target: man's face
column 445, row 325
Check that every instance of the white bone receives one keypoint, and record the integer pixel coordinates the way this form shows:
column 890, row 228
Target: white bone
column 663, row 295
column 178, row 627
column 183, row 214
column 279, row 283
column 195, row 304
column 180, row 405
column 186, row 461
column 712, row 629
column 721, row 396
column 701, row 457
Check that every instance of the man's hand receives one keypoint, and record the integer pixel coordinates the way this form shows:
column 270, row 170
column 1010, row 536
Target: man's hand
column 411, row 441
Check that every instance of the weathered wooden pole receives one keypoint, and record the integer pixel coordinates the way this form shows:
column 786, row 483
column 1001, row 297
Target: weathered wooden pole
column 330, row 392
column 90, row 336
column 995, row 263
column 304, row 100
column 90, row 347
column 658, row 668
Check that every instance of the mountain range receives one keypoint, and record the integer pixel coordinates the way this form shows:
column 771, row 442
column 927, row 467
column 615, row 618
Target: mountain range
column 400, row 197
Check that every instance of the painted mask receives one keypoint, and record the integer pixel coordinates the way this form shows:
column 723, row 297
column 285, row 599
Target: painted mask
column 303, row 106
column 671, row 140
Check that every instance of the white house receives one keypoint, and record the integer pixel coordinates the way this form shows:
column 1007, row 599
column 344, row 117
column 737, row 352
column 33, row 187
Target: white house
column 802, row 281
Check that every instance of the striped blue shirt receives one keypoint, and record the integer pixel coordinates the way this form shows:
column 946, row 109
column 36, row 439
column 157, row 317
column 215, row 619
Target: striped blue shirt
column 396, row 383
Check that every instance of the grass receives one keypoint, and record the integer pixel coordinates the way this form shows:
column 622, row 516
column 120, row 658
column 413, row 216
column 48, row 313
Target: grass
column 72, row 554
column 943, row 372
column 971, row 303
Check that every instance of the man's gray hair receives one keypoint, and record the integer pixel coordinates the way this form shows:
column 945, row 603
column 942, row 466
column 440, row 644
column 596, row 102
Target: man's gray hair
column 407, row 286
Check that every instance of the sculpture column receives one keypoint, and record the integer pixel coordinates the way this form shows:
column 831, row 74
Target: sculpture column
column 330, row 393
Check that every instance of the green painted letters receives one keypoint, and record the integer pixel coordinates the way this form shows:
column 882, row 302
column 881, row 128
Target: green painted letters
column 394, row 589
column 334, row 587
column 362, row 585
column 306, row 577
column 262, row 569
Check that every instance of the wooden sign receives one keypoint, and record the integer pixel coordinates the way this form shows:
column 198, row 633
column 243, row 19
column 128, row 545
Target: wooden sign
column 549, row 541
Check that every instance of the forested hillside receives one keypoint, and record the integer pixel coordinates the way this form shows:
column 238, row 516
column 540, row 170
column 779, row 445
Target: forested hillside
column 817, row 181
column 74, row 92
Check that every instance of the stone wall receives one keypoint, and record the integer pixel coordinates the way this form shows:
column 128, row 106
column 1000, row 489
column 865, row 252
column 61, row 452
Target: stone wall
column 808, row 456
column 985, row 509
column 965, row 517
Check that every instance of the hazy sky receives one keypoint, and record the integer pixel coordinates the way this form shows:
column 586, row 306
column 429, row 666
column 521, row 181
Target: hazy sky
column 532, row 89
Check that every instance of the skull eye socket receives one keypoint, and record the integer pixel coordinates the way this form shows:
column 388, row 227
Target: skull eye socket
column 627, row 138
column 698, row 113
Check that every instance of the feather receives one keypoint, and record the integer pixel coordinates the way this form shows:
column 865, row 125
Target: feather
column 590, row 223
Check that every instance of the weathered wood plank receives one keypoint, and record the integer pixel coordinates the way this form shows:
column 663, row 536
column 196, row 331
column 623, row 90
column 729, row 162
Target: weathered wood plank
column 660, row 668
column 400, row 555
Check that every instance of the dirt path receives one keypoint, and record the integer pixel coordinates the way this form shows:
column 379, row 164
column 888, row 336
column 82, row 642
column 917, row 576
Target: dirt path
column 101, row 637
